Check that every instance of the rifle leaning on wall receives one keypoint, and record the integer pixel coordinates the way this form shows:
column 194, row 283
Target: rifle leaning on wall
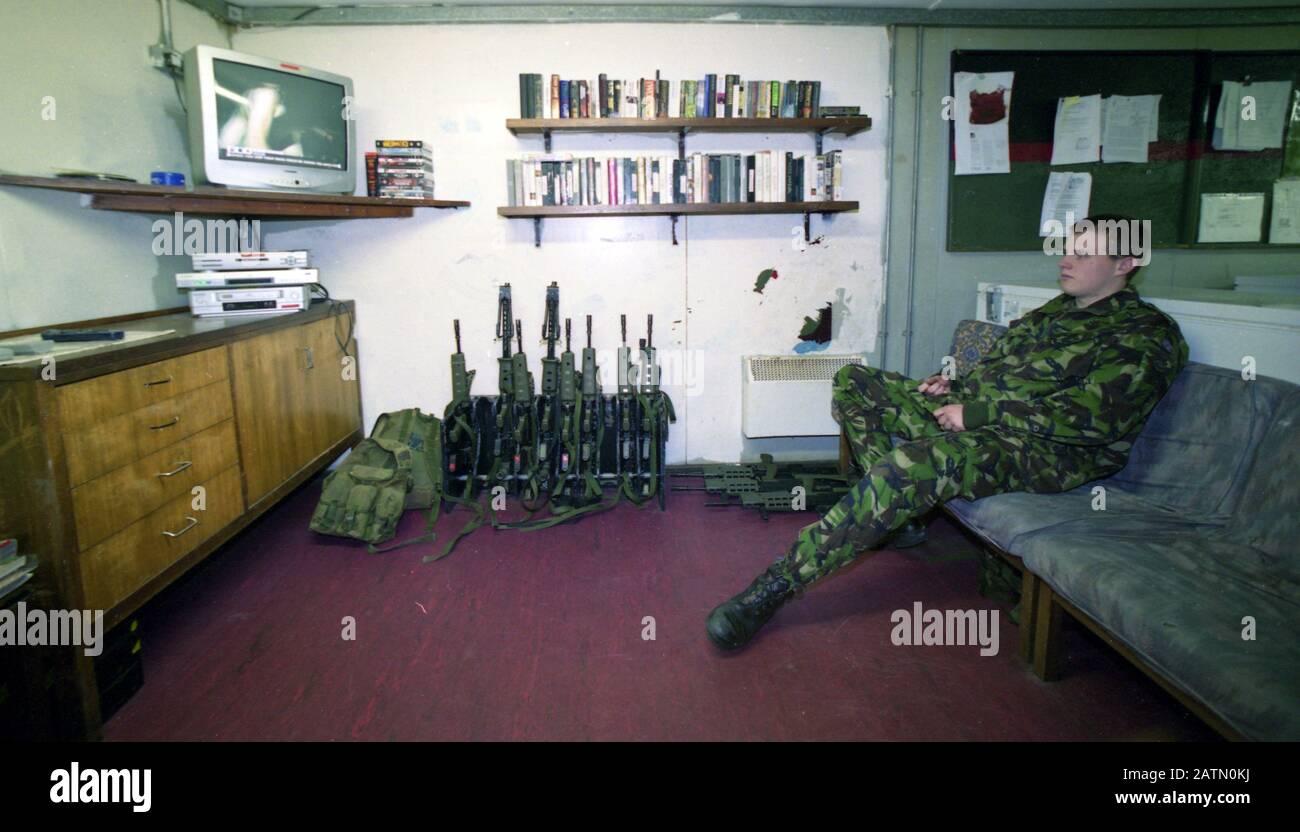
column 505, row 455
column 462, row 447
column 656, row 411
column 461, row 443
column 544, row 478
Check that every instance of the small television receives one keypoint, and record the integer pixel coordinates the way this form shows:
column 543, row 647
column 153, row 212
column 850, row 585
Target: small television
column 261, row 123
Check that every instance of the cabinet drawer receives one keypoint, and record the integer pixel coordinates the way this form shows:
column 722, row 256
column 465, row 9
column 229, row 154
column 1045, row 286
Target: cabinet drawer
column 111, row 502
column 123, row 563
column 123, row 439
column 95, row 400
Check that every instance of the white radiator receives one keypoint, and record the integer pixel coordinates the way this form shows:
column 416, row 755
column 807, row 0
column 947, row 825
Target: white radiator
column 1221, row 326
column 790, row 395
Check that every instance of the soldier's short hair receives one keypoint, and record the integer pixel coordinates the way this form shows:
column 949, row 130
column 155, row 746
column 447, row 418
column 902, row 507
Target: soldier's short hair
column 1114, row 226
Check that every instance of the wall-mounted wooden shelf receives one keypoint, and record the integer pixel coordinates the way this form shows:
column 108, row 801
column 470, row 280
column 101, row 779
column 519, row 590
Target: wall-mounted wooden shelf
column 678, row 209
column 226, row 202
column 819, row 127
column 846, row 125
column 673, row 210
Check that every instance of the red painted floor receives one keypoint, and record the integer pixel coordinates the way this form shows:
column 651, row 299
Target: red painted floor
column 538, row 635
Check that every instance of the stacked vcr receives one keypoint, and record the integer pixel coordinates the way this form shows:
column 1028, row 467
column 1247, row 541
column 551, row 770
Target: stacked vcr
column 249, row 283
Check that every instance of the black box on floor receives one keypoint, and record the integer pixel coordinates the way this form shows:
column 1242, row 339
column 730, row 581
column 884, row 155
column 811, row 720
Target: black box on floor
column 119, row 669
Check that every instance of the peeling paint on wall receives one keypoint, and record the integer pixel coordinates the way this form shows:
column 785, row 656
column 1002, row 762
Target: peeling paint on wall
column 763, row 277
column 817, row 330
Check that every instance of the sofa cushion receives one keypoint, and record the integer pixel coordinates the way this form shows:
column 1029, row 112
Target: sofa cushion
column 1268, row 517
column 1003, row 518
column 1197, row 445
column 1178, row 600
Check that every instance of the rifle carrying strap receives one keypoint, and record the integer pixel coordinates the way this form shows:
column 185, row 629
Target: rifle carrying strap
column 473, row 523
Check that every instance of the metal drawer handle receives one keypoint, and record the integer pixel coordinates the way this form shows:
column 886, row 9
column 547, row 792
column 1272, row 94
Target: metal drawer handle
column 311, row 359
column 180, row 467
column 194, row 521
column 174, row 420
column 167, row 380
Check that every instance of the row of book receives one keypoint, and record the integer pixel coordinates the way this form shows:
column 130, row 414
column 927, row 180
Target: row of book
column 764, row 176
column 15, row 569
column 648, row 98
column 400, row 169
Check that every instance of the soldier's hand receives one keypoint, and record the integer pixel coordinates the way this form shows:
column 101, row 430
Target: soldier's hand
column 949, row 417
column 935, row 385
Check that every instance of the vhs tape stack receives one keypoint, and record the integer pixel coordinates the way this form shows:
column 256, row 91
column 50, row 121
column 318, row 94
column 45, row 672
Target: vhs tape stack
column 249, row 283
column 400, row 169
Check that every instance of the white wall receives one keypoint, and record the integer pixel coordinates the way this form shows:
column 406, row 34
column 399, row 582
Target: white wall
column 456, row 85
column 112, row 112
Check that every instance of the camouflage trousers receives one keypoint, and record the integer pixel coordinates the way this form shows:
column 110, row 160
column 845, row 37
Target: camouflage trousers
column 932, row 466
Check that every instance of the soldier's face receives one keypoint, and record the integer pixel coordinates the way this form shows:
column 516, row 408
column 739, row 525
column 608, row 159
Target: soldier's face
column 1089, row 272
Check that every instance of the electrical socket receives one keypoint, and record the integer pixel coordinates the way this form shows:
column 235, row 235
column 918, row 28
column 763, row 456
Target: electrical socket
column 168, row 60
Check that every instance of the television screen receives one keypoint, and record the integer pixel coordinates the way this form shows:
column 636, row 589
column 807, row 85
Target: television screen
column 264, row 115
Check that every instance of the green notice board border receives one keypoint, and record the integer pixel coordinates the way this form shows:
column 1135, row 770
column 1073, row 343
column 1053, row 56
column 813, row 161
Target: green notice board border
column 1000, row 212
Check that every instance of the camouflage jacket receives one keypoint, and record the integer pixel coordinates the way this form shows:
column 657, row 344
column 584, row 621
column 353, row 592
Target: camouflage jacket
column 1087, row 376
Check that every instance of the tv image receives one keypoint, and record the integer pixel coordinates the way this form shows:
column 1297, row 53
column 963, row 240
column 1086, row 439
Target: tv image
column 277, row 118
column 260, row 123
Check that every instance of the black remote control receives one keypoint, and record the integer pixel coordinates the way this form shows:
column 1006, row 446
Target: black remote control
column 83, row 335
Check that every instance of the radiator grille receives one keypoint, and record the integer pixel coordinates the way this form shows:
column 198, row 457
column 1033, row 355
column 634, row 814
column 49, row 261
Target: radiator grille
column 799, row 368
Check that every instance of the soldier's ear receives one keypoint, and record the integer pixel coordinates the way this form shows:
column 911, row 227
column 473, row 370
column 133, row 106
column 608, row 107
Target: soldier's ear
column 1125, row 265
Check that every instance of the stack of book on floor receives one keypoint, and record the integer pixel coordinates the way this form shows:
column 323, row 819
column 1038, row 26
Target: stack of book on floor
column 400, row 169
column 764, row 176
column 713, row 96
column 15, row 569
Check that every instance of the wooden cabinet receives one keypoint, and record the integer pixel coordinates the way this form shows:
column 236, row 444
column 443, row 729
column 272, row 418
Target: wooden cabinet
column 119, row 565
column 135, row 461
column 295, row 398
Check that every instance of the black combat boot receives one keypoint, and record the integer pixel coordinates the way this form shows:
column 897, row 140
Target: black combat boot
column 734, row 622
column 910, row 534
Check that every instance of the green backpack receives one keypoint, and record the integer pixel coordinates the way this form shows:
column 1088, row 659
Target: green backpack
column 398, row 467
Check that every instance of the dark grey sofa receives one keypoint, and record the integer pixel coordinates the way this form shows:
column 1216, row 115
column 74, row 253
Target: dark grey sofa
column 1197, row 539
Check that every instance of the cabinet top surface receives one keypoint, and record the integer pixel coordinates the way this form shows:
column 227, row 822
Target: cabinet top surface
column 189, row 335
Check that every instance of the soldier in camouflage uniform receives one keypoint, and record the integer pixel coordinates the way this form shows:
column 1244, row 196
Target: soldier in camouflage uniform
column 1056, row 403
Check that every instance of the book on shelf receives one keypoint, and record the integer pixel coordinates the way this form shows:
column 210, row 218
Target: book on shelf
column 712, row 96
column 763, row 176
column 15, row 569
